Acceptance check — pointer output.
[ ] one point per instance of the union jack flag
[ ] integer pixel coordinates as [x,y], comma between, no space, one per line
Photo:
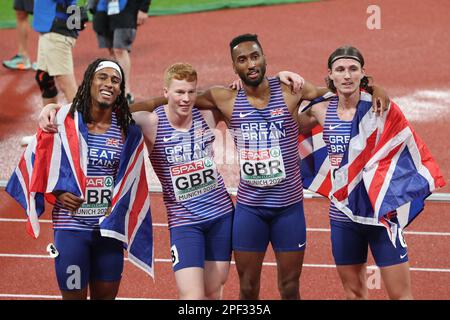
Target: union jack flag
[276,112]
[59,162]
[386,167]
[112,142]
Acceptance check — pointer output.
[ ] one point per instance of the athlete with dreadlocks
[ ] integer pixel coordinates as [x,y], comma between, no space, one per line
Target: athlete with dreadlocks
[84,256]
[179,141]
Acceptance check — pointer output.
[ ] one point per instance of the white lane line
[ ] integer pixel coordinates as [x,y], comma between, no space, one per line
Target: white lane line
[165,225]
[428,233]
[268,264]
[20,255]
[42,296]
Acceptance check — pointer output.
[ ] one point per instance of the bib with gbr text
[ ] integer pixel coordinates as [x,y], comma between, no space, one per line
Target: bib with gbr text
[193,179]
[97,197]
[263,167]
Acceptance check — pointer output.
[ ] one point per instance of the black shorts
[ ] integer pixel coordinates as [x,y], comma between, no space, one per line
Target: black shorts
[117,39]
[24,5]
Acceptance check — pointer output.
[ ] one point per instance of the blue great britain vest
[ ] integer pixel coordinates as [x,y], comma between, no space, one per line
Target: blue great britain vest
[266,142]
[193,189]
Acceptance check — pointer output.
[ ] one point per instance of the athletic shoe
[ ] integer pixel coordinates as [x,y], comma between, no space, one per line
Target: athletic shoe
[130,98]
[17,62]
[34,66]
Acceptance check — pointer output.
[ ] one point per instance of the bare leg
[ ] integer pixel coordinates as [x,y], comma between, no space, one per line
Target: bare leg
[249,265]
[190,283]
[68,86]
[74,294]
[397,280]
[111,54]
[123,58]
[289,266]
[22,32]
[216,274]
[104,290]
[354,279]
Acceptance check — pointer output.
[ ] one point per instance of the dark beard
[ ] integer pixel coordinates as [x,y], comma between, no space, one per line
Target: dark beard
[256,82]
[253,83]
[103,105]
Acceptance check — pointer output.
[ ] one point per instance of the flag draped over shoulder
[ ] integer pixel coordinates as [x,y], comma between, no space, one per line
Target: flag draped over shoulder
[59,162]
[386,167]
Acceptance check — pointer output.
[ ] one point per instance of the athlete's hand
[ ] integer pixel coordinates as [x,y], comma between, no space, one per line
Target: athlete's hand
[69,201]
[380,101]
[141,17]
[47,118]
[292,79]
[236,85]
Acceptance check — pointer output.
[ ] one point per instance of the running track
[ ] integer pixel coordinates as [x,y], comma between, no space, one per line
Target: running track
[404,57]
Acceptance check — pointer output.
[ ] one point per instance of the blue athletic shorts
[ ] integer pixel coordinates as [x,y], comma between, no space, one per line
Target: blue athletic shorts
[192,245]
[85,256]
[284,227]
[350,242]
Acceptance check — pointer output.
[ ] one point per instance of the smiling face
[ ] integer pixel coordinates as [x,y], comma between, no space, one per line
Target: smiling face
[249,63]
[105,87]
[346,75]
[181,95]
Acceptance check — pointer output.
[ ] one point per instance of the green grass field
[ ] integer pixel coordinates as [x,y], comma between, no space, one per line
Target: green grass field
[161,7]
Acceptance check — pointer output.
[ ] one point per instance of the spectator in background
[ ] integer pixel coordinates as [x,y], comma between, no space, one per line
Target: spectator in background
[115,23]
[54,60]
[21,61]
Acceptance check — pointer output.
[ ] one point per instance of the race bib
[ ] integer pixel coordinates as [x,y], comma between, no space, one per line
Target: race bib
[193,179]
[262,168]
[98,197]
[335,162]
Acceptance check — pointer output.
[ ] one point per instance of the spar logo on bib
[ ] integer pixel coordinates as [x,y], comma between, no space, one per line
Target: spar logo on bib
[336,159]
[97,197]
[262,168]
[192,179]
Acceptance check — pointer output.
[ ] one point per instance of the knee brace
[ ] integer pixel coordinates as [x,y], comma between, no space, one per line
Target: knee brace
[47,84]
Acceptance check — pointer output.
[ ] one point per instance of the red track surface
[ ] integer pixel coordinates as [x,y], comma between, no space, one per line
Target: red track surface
[406,55]
[26,275]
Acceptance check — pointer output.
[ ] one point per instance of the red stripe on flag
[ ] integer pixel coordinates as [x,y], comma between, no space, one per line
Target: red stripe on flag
[380,175]
[124,178]
[428,162]
[42,160]
[398,122]
[357,165]
[360,161]
[138,203]
[24,172]
[74,143]
[342,193]
[394,123]
[29,229]
[325,186]
[316,130]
